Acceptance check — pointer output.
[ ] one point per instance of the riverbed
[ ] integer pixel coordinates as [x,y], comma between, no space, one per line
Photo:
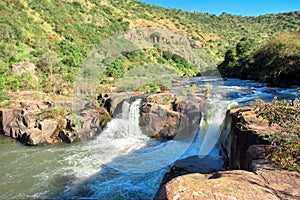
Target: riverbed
[121,163]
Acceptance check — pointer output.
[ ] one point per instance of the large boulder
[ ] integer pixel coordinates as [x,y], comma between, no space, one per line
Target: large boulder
[220,185]
[163,116]
[284,183]
[13,122]
[159,121]
[41,134]
[34,122]
[195,164]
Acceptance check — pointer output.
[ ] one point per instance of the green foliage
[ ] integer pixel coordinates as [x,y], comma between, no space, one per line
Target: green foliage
[147,78]
[286,143]
[55,113]
[4,70]
[58,35]
[150,88]
[276,62]
[280,59]
[24,81]
[116,69]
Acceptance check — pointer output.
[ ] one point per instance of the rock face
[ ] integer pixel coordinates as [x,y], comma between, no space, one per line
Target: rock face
[245,130]
[28,122]
[163,116]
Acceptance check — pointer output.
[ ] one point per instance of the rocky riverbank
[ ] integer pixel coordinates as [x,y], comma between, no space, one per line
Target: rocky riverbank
[38,122]
[248,150]
[34,121]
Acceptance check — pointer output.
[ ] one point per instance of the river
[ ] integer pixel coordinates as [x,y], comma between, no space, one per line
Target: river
[121,163]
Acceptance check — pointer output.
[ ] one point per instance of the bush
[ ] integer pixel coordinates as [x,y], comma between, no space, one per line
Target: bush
[286,143]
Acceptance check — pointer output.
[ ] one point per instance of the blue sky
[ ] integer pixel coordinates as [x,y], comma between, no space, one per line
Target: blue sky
[236,7]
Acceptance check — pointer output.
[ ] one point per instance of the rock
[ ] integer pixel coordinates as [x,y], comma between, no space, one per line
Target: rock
[196,45]
[13,122]
[246,138]
[33,136]
[113,101]
[67,137]
[257,152]
[25,122]
[47,128]
[87,118]
[158,121]
[199,164]
[24,67]
[195,164]
[21,67]
[246,130]
[284,183]
[160,118]
[220,185]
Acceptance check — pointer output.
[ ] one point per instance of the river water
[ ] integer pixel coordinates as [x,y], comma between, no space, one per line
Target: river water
[121,163]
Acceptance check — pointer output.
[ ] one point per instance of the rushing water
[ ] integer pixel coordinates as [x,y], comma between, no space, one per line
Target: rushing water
[121,163]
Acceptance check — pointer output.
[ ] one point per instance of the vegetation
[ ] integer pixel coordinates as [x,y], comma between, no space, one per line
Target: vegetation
[286,143]
[276,62]
[55,113]
[57,36]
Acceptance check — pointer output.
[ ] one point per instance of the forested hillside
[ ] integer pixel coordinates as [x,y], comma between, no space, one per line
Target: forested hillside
[276,61]
[57,35]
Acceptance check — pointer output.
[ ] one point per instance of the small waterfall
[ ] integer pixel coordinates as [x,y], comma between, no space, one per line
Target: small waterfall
[212,125]
[121,136]
[131,112]
[210,129]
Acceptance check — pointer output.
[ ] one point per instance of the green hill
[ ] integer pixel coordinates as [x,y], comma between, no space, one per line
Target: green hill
[276,61]
[57,35]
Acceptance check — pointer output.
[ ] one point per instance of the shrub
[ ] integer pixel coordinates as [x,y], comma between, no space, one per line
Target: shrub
[286,143]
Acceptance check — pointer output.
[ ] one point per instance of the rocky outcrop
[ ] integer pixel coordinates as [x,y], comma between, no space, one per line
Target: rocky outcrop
[246,138]
[246,130]
[235,185]
[164,116]
[37,122]
[34,122]
[285,184]
[265,182]
[24,67]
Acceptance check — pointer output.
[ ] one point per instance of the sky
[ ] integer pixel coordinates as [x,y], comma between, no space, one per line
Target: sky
[235,7]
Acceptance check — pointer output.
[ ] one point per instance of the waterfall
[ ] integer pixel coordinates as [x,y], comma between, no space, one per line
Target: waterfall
[121,136]
[210,129]
[131,112]
[212,125]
